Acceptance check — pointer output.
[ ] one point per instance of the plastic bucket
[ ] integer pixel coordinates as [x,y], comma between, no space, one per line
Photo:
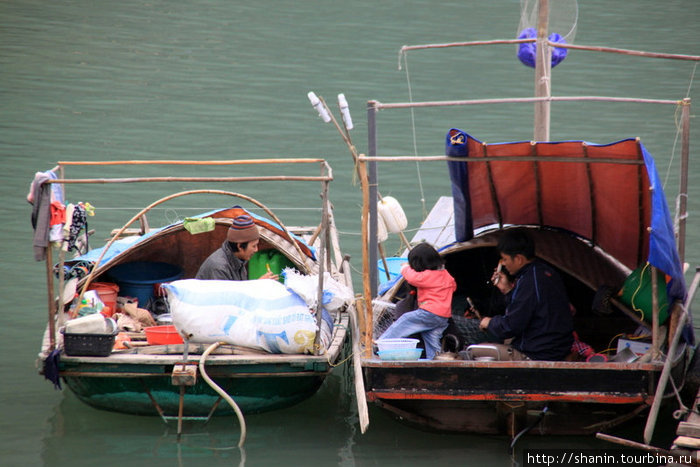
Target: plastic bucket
[137,279]
[159,335]
[107,292]
[394,265]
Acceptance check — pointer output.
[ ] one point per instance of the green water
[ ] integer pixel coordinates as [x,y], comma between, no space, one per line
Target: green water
[228,80]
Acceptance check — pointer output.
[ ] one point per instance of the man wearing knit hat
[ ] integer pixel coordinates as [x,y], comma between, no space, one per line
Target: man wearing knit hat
[230,262]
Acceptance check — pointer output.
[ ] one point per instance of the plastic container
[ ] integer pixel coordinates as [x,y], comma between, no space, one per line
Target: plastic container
[107,292]
[137,279]
[397,344]
[264,259]
[400,354]
[88,345]
[94,323]
[159,335]
[636,292]
[165,318]
[394,265]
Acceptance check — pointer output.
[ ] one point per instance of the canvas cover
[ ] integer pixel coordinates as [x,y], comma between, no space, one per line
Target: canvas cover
[611,203]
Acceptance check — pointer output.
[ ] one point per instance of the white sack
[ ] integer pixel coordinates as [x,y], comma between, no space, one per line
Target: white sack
[336,296]
[260,314]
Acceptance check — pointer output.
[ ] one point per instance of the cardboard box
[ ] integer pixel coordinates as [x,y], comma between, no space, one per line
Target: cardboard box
[638,347]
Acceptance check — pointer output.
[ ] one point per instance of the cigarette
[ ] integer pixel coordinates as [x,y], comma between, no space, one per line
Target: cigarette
[267,266]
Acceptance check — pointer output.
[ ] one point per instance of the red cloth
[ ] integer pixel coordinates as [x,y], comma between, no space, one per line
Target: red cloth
[58,213]
[435,289]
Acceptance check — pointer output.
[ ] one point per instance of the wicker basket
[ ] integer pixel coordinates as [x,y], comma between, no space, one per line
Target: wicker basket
[92,345]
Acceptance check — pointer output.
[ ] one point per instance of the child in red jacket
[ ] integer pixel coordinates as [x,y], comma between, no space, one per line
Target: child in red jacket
[426,271]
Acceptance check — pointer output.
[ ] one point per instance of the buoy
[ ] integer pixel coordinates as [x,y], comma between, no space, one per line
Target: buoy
[318,105]
[345,111]
[391,212]
[382,234]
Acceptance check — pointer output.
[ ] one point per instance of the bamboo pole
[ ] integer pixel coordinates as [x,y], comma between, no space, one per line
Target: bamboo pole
[323,256]
[561,45]
[663,379]
[543,75]
[406,48]
[683,185]
[632,444]
[655,352]
[366,286]
[360,394]
[264,178]
[521,100]
[580,160]
[638,53]
[50,295]
[195,162]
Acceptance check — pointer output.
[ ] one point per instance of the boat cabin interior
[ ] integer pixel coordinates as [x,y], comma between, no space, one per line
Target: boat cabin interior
[591,277]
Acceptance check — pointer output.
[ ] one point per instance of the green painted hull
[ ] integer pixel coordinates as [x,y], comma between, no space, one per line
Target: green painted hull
[145,387]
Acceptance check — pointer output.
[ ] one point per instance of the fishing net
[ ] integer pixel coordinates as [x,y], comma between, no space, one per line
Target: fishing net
[563,17]
[562,20]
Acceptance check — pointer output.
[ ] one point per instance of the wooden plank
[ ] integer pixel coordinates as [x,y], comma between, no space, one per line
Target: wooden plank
[687,442]
[688,429]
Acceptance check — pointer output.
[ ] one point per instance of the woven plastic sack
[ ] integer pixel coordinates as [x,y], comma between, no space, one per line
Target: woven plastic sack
[260,314]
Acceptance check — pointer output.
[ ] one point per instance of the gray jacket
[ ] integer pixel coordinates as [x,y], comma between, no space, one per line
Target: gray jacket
[223,265]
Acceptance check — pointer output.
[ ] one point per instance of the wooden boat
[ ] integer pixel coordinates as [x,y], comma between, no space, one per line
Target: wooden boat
[163,379]
[597,213]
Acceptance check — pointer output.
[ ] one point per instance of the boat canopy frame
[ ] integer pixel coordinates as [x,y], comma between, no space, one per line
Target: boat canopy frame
[56,300]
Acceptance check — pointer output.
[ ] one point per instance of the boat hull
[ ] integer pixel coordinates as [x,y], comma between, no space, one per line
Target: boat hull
[148,389]
[506,397]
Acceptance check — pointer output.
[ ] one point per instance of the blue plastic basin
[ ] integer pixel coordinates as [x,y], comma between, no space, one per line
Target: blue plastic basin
[138,278]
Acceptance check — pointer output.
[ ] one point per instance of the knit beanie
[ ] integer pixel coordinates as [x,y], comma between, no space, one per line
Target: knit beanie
[242,230]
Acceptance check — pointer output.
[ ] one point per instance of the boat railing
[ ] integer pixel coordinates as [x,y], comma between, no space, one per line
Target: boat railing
[323,231]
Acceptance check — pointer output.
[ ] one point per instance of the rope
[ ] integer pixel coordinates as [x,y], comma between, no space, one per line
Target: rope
[413,130]
[221,392]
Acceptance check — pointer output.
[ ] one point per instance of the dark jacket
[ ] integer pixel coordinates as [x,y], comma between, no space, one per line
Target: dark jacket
[538,316]
[223,265]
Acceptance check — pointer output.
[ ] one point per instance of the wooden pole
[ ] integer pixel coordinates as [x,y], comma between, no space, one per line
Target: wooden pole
[50,295]
[663,379]
[632,444]
[520,100]
[683,185]
[323,256]
[367,318]
[655,353]
[266,178]
[194,162]
[382,255]
[360,395]
[543,73]
[638,53]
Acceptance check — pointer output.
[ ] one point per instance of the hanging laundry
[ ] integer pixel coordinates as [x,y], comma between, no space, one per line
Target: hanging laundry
[58,218]
[78,223]
[40,198]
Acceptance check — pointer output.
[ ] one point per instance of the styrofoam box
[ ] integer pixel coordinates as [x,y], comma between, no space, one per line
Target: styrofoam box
[639,348]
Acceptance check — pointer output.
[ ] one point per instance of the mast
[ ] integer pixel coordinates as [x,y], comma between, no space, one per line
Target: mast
[543,73]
